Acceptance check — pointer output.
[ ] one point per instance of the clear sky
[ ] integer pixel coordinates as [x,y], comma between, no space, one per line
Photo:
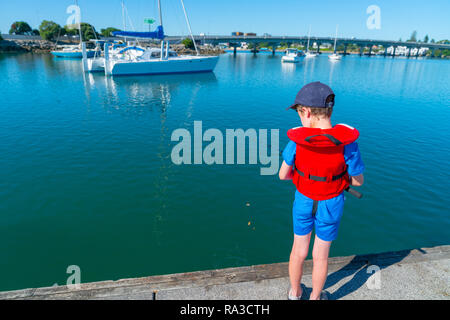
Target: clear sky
[398,18]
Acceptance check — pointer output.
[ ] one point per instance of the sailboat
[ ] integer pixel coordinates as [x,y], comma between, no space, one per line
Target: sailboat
[73,51]
[335,56]
[309,54]
[137,60]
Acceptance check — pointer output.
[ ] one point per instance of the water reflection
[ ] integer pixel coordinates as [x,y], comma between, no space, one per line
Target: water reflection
[139,93]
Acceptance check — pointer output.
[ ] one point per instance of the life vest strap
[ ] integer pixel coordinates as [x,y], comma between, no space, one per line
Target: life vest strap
[329,136]
[322,179]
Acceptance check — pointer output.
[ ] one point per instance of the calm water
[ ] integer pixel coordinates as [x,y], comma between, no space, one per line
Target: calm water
[87,180]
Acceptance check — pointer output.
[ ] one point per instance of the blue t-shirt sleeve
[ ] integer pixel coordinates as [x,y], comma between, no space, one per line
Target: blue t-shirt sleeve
[353,159]
[289,153]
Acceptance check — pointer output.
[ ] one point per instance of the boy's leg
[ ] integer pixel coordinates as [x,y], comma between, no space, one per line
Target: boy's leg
[320,266]
[298,255]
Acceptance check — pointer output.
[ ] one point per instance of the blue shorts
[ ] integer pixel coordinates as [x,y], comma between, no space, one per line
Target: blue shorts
[326,220]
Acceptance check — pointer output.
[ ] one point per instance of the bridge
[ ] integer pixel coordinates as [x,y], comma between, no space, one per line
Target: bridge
[274,41]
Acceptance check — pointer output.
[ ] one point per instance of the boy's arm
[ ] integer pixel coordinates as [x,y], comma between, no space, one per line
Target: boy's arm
[355,164]
[285,172]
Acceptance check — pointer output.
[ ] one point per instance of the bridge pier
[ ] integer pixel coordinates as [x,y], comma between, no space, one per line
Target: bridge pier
[345,49]
[409,53]
[255,48]
[370,50]
[417,53]
[385,52]
[318,47]
[393,52]
[361,48]
[274,48]
[234,50]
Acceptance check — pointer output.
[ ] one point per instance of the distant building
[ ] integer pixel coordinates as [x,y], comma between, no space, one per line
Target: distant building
[237,33]
[250,34]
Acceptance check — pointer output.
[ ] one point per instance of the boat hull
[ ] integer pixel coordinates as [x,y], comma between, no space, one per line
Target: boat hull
[291,59]
[73,55]
[184,65]
[334,57]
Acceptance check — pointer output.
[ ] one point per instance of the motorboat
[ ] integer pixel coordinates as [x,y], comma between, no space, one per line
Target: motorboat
[292,55]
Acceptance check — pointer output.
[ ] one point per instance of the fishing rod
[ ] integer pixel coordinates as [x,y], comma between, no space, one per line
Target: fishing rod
[354,193]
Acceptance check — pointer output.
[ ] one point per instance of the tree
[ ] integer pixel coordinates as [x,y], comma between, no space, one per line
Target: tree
[20,27]
[35,32]
[426,39]
[88,32]
[70,31]
[432,41]
[108,31]
[413,37]
[188,43]
[1,36]
[49,30]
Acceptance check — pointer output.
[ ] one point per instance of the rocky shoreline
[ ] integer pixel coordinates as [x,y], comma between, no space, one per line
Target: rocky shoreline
[44,46]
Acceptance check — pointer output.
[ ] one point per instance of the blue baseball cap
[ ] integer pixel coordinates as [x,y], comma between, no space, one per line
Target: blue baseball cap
[315,95]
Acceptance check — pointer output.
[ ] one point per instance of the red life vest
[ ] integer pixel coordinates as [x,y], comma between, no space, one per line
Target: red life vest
[320,172]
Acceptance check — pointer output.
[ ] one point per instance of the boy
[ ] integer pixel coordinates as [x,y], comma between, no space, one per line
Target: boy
[322,161]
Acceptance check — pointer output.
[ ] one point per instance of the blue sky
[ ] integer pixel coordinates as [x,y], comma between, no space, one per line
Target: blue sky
[277,17]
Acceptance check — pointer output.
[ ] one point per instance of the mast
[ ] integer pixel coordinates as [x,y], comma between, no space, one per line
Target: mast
[79,23]
[124,20]
[309,35]
[189,26]
[335,39]
[160,13]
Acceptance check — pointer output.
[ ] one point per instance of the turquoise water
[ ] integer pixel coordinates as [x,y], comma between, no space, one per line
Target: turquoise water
[87,178]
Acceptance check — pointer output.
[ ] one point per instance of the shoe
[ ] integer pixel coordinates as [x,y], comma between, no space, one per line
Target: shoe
[292,297]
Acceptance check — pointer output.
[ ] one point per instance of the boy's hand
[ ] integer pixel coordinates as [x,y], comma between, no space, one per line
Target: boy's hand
[357,181]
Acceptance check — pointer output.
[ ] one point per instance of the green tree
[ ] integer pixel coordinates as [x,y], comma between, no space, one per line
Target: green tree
[188,43]
[49,30]
[35,32]
[108,31]
[413,37]
[1,38]
[426,39]
[20,27]
[432,41]
[88,32]
[70,31]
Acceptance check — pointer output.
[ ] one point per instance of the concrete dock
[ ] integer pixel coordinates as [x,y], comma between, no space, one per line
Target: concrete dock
[409,274]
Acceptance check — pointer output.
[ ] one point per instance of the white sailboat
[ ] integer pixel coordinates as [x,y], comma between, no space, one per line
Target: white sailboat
[308,53]
[335,56]
[138,61]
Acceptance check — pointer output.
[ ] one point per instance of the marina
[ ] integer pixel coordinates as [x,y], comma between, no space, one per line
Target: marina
[145,147]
